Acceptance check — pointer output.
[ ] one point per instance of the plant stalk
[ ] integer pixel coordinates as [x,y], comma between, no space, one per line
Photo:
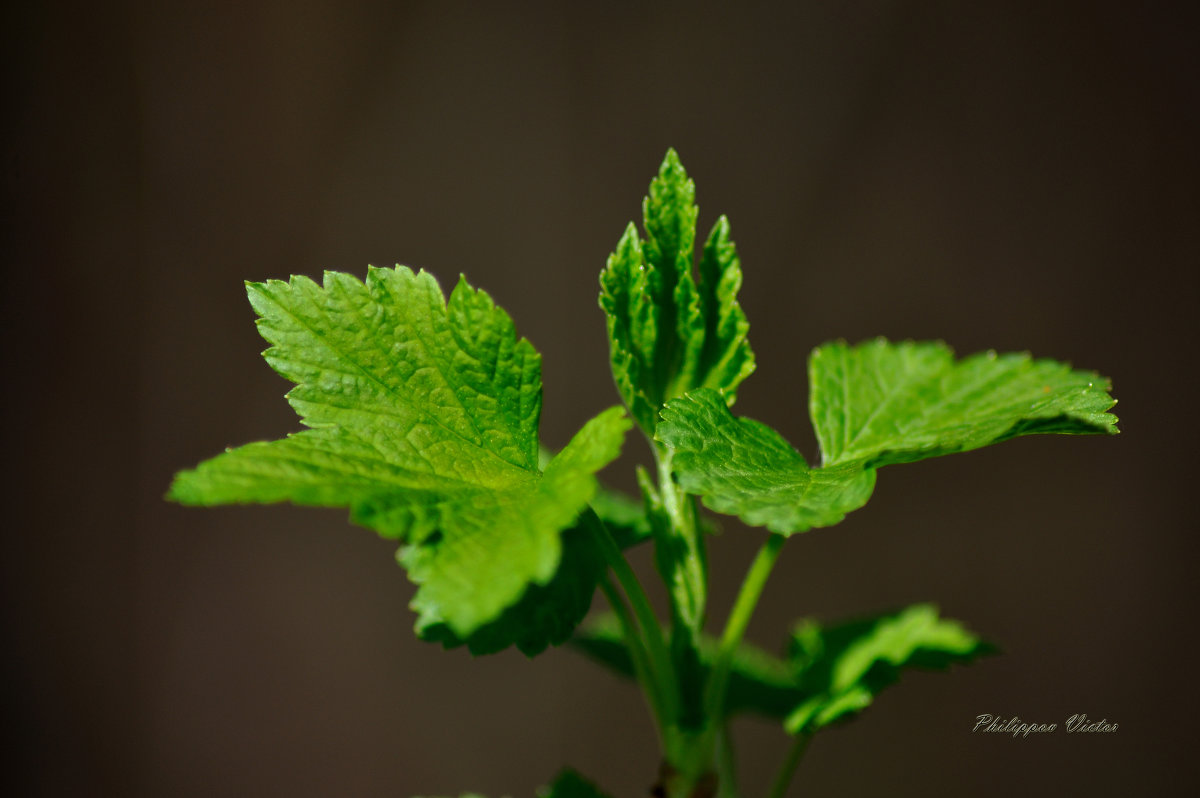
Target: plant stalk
[661,673]
[637,653]
[726,764]
[794,755]
[739,618]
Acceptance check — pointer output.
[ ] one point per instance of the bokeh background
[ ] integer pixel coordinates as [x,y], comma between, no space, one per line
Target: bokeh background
[1016,176]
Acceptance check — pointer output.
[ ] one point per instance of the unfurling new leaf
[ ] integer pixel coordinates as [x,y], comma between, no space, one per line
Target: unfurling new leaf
[667,332]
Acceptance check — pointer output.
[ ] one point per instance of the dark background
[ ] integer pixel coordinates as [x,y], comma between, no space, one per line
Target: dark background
[1016,176]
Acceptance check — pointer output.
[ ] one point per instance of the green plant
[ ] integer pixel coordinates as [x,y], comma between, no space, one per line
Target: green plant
[422,418]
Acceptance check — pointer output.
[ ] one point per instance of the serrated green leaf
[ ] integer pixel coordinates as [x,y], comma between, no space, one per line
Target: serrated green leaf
[759,683]
[669,333]
[484,563]
[624,516]
[727,358]
[741,467]
[424,416]
[570,784]
[669,216]
[841,669]
[874,404]
[879,403]
[632,320]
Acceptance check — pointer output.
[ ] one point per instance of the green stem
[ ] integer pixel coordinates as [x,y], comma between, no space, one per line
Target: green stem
[637,652]
[726,764]
[673,498]
[795,754]
[739,618]
[656,648]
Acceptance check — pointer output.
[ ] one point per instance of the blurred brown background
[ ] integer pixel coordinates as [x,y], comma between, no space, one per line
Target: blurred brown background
[1017,176]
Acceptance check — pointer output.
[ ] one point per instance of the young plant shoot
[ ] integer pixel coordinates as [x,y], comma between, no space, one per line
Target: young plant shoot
[421,417]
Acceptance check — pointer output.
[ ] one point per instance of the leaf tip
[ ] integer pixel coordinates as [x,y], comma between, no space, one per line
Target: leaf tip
[182,491]
[670,160]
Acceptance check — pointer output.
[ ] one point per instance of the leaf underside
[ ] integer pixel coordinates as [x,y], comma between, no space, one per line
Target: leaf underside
[842,668]
[873,404]
[423,417]
[547,614]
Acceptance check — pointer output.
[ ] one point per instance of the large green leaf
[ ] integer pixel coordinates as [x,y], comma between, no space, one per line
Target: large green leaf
[667,332]
[878,402]
[741,467]
[842,668]
[873,404]
[424,419]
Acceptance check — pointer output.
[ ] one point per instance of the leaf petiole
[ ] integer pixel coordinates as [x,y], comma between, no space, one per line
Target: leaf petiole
[788,769]
[659,660]
[637,653]
[739,618]
[726,764]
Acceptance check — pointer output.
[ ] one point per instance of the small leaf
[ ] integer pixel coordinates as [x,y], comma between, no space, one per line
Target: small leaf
[878,403]
[741,467]
[727,358]
[632,320]
[424,418]
[841,669]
